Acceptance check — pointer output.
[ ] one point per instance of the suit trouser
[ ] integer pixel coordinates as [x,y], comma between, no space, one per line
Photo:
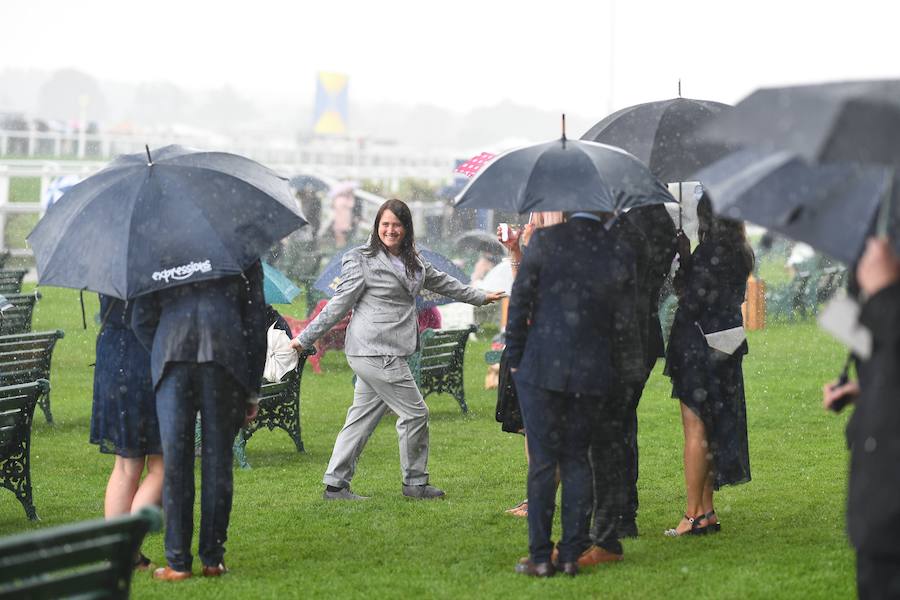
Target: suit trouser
[184,389]
[609,464]
[877,577]
[559,434]
[382,383]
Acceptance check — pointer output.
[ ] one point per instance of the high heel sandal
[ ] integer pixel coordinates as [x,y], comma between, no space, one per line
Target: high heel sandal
[713,527]
[696,528]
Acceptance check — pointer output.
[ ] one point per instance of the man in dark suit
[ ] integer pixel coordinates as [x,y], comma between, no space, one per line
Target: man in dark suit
[650,233]
[571,336]
[207,344]
[873,433]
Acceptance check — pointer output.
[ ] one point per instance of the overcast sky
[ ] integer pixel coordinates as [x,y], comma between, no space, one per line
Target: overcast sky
[460,54]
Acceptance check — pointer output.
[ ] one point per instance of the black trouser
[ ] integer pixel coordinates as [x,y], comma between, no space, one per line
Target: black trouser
[878,577]
[608,461]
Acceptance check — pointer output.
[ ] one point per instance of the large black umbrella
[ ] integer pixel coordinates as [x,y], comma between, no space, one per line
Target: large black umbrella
[833,122]
[480,241]
[662,135]
[143,224]
[563,175]
[832,207]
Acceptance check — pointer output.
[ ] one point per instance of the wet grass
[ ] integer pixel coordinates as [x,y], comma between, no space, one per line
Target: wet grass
[783,533]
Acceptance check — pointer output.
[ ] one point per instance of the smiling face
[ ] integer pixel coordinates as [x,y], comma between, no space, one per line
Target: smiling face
[391,232]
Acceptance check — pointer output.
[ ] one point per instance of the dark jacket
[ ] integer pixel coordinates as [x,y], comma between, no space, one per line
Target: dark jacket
[656,224]
[572,325]
[873,506]
[220,320]
[629,234]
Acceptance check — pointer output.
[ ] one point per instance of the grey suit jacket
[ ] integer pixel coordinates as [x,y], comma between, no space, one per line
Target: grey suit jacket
[384,321]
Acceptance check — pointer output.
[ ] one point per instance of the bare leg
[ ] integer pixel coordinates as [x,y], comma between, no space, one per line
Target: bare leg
[696,466]
[708,506]
[122,486]
[149,492]
[521,509]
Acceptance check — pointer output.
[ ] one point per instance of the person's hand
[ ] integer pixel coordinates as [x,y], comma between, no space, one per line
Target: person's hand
[878,268]
[250,413]
[683,246]
[512,241]
[494,296]
[841,394]
[295,344]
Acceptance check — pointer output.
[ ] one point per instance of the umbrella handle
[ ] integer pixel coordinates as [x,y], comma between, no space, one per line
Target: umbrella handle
[838,405]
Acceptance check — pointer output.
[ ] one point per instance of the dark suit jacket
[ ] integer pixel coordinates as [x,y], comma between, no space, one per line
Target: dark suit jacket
[221,321]
[576,286]
[873,507]
[629,234]
[656,224]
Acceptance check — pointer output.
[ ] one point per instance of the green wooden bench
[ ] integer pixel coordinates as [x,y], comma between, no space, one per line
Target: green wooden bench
[17,403]
[11,281]
[279,406]
[92,559]
[439,366]
[26,357]
[17,318]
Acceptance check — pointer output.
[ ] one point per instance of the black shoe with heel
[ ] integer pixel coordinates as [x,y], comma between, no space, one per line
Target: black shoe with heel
[713,527]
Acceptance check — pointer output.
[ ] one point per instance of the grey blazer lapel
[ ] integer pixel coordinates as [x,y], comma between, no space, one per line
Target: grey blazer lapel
[404,281]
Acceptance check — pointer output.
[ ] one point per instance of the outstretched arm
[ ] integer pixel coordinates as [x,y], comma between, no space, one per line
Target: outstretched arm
[348,292]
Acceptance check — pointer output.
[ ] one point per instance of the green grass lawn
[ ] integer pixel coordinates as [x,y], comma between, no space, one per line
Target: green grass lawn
[783,533]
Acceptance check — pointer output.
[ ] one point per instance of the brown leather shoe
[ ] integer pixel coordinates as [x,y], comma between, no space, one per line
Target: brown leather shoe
[533,569]
[215,571]
[569,568]
[595,555]
[167,573]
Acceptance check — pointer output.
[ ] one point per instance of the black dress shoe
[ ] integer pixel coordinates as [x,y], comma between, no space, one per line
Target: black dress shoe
[569,568]
[533,569]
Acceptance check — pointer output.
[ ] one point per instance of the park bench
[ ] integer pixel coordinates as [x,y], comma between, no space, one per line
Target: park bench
[11,281]
[17,318]
[91,559]
[17,403]
[279,406]
[26,357]
[439,366]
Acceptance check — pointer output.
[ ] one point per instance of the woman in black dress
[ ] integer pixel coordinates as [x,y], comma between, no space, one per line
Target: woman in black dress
[711,284]
[123,416]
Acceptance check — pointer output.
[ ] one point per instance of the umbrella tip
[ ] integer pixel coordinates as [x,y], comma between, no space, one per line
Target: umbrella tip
[564,127]
[679,87]
[149,160]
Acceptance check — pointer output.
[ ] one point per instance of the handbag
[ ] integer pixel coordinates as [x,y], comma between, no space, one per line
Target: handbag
[726,340]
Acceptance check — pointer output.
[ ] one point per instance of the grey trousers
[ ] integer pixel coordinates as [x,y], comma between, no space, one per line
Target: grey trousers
[382,383]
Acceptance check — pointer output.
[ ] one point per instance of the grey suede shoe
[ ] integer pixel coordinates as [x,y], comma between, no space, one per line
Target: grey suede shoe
[422,492]
[343,494]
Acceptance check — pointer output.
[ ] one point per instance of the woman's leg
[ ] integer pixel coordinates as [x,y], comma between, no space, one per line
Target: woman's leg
[122,486]
[149,492]
[709,508]
[696,465]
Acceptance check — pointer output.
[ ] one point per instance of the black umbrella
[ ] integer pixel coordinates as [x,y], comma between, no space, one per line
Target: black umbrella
[480,241]
[833,122]
[832,207]
[662,135]
[309,183]
[563,175]
[143,224]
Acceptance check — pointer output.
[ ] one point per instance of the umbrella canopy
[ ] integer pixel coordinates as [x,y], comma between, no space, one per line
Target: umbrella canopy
[330,278]
[831,207]
[309,183]
[479,240]
[143,224]
[848,121]
[662,135]
[564,175]
[278,289]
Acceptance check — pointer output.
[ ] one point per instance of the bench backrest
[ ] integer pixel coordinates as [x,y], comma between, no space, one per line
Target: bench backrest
[17,404]
[92,559]
[17,319]
[11,280]
[27,357]
[442,350]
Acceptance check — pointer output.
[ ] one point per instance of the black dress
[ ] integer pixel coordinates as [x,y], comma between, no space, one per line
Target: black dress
[710,382]
[123,417]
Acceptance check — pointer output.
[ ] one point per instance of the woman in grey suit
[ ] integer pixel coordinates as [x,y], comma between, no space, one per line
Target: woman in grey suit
[380,282]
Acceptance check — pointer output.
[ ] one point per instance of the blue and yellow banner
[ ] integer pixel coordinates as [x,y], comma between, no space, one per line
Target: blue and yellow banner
[331,103]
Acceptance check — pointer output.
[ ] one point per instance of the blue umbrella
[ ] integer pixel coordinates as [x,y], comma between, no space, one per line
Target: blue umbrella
[331,277]
[277,288]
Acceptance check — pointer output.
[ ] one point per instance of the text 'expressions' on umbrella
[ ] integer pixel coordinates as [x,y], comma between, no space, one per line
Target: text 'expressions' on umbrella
[330,278]
[152,221]
[832,207]
[662,135]
[564,175]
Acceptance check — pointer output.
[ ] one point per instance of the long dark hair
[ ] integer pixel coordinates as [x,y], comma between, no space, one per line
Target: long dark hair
[408,253]
[725,231]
